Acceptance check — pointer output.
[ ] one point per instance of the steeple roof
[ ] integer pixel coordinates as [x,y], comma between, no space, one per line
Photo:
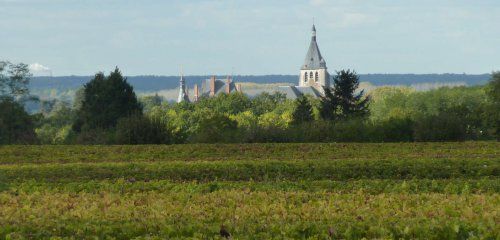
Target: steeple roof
[313,60]
[183,95]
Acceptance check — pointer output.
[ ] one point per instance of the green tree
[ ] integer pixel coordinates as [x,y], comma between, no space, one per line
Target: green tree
[16,125]
[328,105]
[216,128]
[55,127]
[342,101]
[106,99]
[232,103]
[265,102]
[494,108]
[14,80]
[303,111]
[149,102]
[138,129]
[447,125]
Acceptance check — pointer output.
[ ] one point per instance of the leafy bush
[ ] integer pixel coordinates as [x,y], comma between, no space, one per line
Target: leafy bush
[138,129]
[445,126]
[215,128]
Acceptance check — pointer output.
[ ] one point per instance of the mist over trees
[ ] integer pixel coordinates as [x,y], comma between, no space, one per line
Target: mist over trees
[154,83]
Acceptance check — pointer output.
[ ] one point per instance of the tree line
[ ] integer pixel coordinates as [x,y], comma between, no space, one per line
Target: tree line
[107,111]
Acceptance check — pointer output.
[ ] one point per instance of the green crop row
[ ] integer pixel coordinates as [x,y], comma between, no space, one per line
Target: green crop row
[370,186]
[256,170]
[248,215]
[271,151]
[257,191]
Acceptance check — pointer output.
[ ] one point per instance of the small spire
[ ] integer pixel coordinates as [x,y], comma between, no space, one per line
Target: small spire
[314,32]
[314,28]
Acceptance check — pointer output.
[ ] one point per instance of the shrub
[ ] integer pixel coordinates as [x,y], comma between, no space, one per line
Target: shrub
[138,129]
[440,127]
[215,128]
[395,130]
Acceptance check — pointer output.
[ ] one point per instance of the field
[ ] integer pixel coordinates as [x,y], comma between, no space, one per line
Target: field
[256,191]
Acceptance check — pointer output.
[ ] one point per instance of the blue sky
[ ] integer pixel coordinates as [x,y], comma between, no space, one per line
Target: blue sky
[81,37]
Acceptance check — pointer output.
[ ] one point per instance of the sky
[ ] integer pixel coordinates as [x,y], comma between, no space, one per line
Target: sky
[249,37]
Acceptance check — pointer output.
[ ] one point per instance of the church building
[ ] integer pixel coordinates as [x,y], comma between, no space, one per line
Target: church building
[313,78]
[314,74]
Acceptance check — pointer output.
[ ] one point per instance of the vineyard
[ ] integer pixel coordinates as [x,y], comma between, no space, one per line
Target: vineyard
[251,191]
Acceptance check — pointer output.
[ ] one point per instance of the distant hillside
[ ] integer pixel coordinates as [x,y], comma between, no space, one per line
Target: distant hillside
[156,83]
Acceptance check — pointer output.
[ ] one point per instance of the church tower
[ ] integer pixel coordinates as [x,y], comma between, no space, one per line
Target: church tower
[314,72]
[183,95]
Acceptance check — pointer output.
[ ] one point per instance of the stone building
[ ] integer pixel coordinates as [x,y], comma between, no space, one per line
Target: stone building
[209,88]
[313,73]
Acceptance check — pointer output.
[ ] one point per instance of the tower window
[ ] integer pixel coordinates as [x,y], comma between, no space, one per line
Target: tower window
[305,77]
[316,77]
[311,75]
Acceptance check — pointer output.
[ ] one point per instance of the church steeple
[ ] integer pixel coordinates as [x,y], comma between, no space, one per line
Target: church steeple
[313,60]
[183,95]
[313,72]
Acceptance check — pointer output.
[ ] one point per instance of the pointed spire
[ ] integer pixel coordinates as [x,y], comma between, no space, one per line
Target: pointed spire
[183,95]
[314,31]
[313,59]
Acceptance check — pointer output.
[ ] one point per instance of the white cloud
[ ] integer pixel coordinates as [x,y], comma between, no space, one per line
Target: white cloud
[39,70]
[38,67]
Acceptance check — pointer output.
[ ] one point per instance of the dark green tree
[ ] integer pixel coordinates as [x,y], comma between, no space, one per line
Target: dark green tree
[16,125]
[446,125]
[139,129]
[303,111]
[105,100]
[494,108]
[342,101]
[328,105]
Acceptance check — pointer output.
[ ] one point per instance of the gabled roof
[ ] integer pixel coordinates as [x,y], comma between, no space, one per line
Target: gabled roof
[293,92]
[220,87]
[313,59]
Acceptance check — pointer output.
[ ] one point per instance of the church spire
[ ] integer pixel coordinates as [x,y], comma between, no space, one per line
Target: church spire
[183,96]
[313,59]
[314,33]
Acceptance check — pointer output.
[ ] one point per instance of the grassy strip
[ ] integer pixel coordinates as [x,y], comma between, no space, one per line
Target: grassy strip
[256,170]
[271,151]
[249,215]
[374,186]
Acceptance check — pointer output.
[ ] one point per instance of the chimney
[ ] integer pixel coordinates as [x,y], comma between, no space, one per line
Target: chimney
[196,93]
[212,86]
[238,87]
[228,85]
